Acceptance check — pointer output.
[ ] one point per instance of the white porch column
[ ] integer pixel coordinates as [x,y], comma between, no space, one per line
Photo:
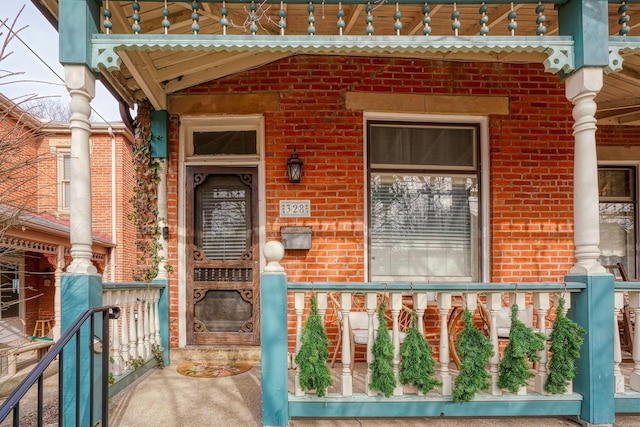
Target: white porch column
[57,297]
[162,219]
[581,89]
[81,86]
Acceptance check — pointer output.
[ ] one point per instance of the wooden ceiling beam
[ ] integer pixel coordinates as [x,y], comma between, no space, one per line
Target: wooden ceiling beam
[143,72]
[244,63]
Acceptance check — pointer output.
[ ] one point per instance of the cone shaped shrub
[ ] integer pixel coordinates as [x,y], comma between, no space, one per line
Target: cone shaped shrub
[417,366]
[474,349]
[314,354]
[382,377]
[524,344]
[566,341]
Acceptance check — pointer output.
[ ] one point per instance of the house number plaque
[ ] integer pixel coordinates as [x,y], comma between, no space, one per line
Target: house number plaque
[295,208]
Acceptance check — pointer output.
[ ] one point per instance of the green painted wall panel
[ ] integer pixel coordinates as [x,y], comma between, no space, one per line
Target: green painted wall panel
[587,22]
[159,134]
[273,336]
[79,293]
[79,20]
[593,310]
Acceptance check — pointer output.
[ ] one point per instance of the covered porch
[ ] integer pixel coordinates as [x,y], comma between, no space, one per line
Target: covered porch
[191,75]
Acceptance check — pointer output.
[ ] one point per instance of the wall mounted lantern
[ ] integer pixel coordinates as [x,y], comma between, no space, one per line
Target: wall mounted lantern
[294,166]
[46,281]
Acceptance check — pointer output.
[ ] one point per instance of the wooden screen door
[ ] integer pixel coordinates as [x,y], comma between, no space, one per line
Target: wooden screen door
[222,256]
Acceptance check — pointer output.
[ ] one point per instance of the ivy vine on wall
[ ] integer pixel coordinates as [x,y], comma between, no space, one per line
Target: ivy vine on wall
[145,206]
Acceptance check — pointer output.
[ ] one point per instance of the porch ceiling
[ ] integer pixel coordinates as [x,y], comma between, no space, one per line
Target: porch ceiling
[155,71]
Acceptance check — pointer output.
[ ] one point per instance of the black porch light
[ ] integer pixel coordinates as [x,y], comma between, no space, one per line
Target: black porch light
[294,167]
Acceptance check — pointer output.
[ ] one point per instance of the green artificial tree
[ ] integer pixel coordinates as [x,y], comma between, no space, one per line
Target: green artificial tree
[314,354]
[566,340]
[524,344]
[382,377]
[474,349]
[418,365]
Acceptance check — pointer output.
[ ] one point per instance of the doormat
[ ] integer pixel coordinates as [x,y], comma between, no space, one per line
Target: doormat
[212,369]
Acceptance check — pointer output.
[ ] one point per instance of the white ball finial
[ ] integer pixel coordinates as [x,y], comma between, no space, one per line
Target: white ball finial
[273,252]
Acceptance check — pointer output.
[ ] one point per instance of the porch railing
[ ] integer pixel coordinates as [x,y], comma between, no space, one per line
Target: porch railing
[592,397]
[626,311]
[71,396]
[140,336]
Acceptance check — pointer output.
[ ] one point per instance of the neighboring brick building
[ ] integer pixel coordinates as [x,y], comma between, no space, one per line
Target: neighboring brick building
[35,249]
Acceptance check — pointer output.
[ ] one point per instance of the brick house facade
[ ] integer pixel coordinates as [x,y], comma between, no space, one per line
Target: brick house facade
[319,106]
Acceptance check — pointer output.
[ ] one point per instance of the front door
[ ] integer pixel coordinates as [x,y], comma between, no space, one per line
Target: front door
[222,256]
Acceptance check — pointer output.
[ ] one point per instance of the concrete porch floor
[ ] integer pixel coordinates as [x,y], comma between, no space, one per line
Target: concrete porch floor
[165,397]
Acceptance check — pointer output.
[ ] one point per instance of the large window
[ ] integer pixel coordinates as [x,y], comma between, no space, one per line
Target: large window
[618,216]
[423,202]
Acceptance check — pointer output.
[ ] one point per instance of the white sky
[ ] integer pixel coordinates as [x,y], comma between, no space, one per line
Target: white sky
[37,79]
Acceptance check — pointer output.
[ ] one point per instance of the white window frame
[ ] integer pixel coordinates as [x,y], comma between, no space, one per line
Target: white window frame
[483,180]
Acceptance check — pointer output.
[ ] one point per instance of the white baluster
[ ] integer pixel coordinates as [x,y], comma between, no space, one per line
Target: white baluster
[322,304]
[116,367]
[634,304]
[152,320]
[396,306]
[618,378]
[420,305]
[124,334]
[133,352]
[371,302]
[444,304]
[146,344]
[541,305]
[347,379]
[140,326]
[156,299]
[494,303]
[299,310]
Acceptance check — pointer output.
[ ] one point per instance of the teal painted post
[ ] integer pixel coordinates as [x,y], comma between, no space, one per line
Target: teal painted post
[593,310]
[159,134]
[273,331]
[78,21]
[163,316]
[587,21]
[80,292]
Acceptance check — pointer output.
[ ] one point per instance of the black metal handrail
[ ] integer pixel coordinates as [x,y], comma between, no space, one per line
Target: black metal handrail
[37,374]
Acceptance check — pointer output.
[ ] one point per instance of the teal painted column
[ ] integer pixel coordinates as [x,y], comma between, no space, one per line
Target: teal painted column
[78,21]
[79,293]
[273,331]
[163,316]
[593,310]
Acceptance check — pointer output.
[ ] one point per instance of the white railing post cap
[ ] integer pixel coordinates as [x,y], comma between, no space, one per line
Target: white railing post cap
[273,252]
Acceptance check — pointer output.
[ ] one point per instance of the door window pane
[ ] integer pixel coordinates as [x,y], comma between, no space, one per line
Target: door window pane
[618,204]
[223,228]
[225,142]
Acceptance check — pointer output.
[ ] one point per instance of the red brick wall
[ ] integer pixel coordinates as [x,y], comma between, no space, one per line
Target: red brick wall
[531,159]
